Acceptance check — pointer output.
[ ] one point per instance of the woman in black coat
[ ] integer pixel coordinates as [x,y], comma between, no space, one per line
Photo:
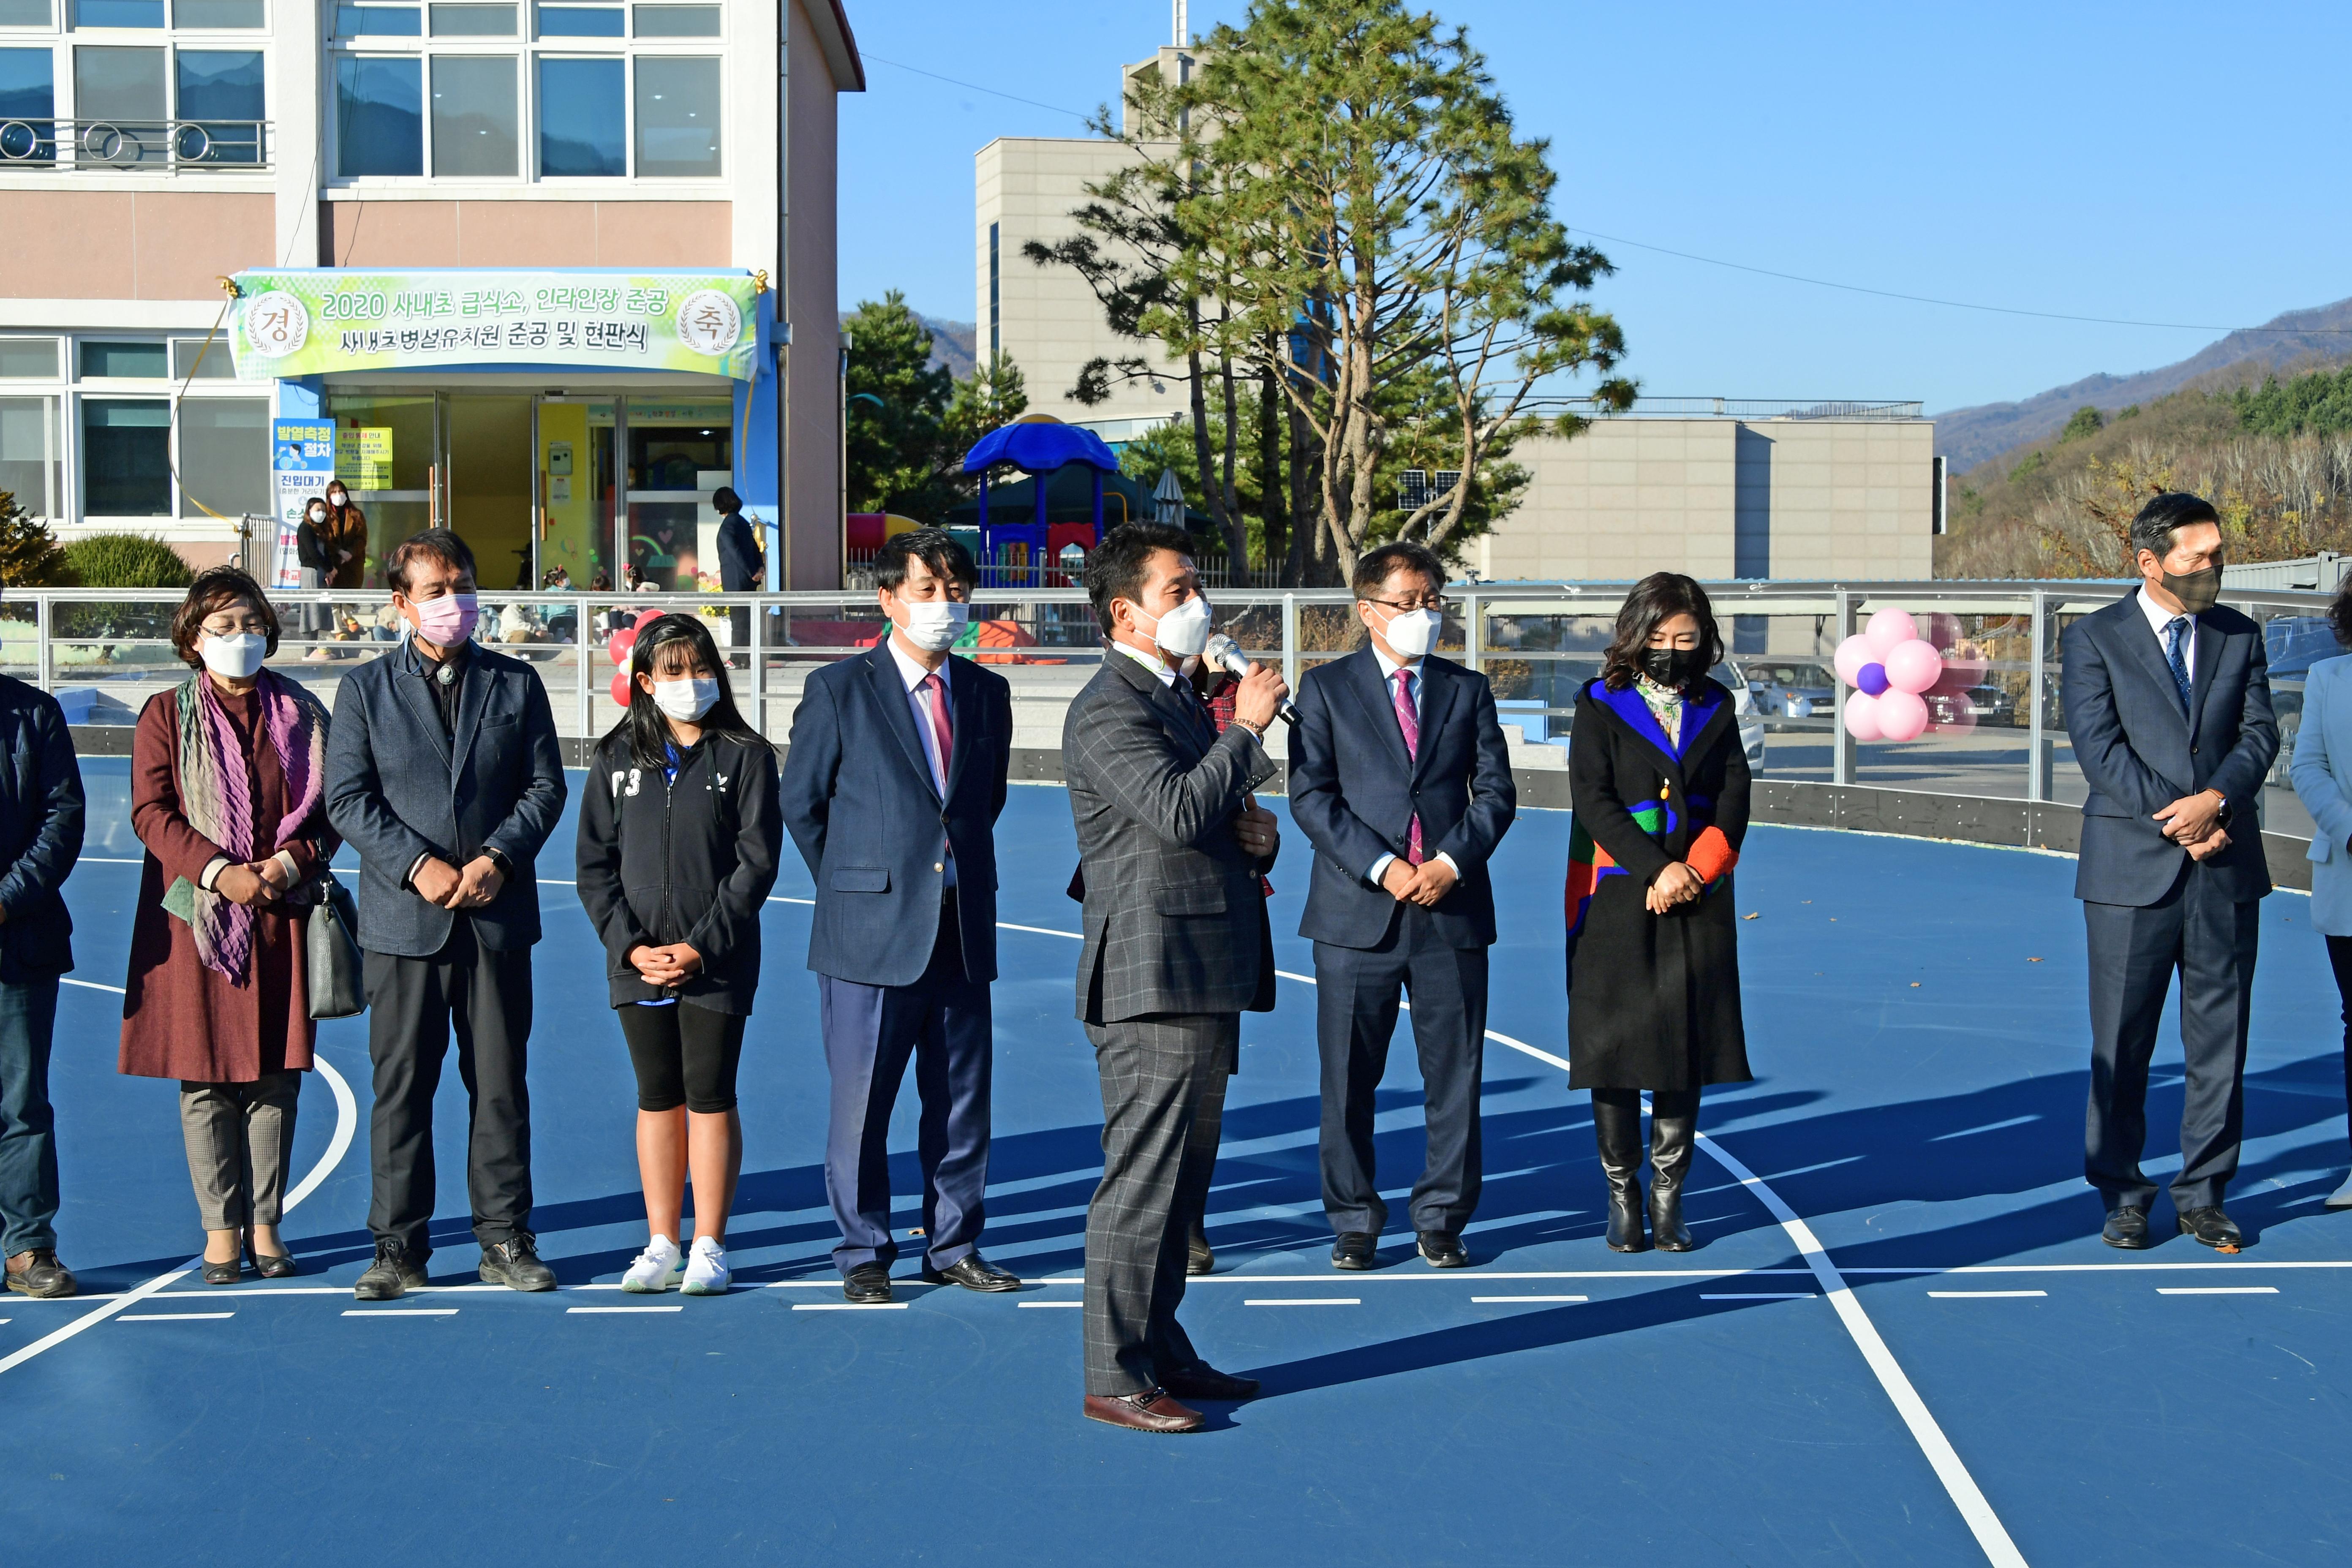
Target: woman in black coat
[1659,786]
[680,831]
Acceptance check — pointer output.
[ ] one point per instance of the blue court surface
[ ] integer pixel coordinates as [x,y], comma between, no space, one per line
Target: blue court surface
[1900,1341]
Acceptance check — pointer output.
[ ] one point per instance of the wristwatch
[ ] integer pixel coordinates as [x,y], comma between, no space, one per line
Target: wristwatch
[2221,816]
[499,858]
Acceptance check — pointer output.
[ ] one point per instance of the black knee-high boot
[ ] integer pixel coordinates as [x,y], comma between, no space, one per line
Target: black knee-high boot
[1617,1129]
[1674,1133]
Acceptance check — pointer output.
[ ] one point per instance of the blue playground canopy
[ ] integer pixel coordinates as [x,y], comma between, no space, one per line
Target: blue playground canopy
[1037,444]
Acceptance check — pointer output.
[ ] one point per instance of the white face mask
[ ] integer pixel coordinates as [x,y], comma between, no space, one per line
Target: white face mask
[1410,634]
[934,624]
[685,701]
[1184,630]
[235,657]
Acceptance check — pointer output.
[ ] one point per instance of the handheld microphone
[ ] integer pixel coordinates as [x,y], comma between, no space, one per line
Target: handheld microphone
[1227,655]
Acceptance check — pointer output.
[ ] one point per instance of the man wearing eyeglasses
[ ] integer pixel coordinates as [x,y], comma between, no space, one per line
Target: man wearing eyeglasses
[1399,775]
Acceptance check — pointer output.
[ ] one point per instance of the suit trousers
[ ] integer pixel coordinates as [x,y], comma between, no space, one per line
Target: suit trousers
[1355,995]
[1163,1088]
[943,1022]
[240,1139]
[483,996]
[2210,940]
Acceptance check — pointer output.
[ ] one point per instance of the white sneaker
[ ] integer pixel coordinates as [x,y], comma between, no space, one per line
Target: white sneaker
[656,1269]
[706,1273]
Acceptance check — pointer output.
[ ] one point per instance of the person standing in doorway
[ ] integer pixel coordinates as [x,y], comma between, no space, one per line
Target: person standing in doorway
[896,773]
[2168,707]
[444,773]
[1400,779]
[742,565]
[41,815]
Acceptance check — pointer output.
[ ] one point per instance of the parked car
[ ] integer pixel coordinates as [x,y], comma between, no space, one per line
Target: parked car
[1743,706]
[1984,704]
[2291,644]
[1788,689]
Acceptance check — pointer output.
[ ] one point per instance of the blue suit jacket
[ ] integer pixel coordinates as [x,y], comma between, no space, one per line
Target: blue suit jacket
[859,801]
[397,788]
[2140,752]
[1354,792]
[742,565]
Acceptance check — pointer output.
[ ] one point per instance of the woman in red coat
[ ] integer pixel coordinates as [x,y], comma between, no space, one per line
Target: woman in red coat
[227,793]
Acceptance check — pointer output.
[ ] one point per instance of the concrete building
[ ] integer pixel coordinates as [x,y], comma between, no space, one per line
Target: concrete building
[549,274]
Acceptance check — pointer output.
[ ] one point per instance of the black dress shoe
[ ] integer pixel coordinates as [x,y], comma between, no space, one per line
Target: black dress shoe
[223,1273]
[36,1272]
[274,1264]
[972,1271]
[2127,1228]
[1353,1249]
[2214,1228]
[1202,1380]
[1198,1258]
[394,1273]
[1443,1249]
[866,1285]
[514,1263]
[1153,1410]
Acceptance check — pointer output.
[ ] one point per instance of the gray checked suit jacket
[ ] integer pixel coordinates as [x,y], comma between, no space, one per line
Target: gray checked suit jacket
[1175,913]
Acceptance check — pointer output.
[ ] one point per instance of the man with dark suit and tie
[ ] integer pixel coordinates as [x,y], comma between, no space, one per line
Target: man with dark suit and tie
[443,772]
[1401,778]
[1171,849]
[892,787]
[2167,704]
[742,565]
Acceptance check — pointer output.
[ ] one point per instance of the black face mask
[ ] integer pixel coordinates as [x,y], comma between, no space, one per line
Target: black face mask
[2197,591]
[1673,667]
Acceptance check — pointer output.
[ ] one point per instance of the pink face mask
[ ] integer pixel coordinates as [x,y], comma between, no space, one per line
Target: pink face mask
[449,620]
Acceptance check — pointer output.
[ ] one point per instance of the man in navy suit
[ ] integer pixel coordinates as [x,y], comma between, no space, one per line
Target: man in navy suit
[1400,776]
[892,787]
[2167,704]
[742,565]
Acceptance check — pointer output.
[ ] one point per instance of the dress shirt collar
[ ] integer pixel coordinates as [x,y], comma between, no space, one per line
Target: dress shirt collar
[2159,617]
[1389,667]
[912,673]
[1150,661]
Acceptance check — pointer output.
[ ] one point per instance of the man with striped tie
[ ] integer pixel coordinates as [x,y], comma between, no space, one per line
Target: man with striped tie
[1400,776]
[2167,704]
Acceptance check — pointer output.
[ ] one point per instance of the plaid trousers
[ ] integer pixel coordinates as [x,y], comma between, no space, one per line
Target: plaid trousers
[1163,1088]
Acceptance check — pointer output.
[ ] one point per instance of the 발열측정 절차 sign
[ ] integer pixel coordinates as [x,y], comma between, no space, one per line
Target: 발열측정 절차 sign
[311,322]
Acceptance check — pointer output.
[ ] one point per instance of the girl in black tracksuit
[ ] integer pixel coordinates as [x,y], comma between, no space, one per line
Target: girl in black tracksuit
[680,831]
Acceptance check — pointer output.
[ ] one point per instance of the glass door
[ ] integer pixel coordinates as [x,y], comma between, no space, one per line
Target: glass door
[577,496]
[680,451]
[490,489]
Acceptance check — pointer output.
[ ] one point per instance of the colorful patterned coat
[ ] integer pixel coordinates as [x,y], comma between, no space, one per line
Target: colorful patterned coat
[1654,1000]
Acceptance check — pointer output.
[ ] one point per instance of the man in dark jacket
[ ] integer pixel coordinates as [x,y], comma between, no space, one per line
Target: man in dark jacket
[896,776]
[40,833]
[2168,707]
[1401,778]
[742,565]
[1172,852]
[443,772]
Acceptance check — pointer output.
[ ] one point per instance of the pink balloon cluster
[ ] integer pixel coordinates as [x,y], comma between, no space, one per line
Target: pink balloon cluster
[1891,667]
[619,646]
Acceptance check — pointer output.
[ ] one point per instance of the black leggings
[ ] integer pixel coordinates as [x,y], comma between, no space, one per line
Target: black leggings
[684,1056]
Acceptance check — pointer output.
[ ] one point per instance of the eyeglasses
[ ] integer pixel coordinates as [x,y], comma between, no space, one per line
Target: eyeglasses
[1437,601]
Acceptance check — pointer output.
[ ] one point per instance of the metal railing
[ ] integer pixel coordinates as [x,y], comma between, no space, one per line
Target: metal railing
[1999,730]
[1740,408]
[147,144]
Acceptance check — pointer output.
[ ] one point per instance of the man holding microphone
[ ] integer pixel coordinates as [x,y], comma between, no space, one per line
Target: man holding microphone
[1171,848]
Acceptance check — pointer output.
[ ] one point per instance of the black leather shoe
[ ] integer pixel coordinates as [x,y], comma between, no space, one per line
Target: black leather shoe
[2127,1228]
[1443,1249]
[1353,1249]
[1202,1380]
[394,1272]
[38,1274]
[972,1271]
[224,1273]
[867,1284]
[1198,1258]
[274,1264]
[514,1263]
[2212,1228]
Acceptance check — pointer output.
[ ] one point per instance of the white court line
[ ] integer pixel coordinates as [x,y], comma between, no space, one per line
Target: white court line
[1765,1296]
[1497,1301]
[2233,1265]
[1984,1295]
[850,1306]
[1304,1301]
[346,1120]
[2217,1290]
[400,1311]
[1456,1276]
[171,1317]
[1987,1126]
[575,1309]
[1074,1306]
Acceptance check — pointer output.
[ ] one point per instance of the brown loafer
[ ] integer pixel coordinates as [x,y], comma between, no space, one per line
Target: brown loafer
[1153,1410]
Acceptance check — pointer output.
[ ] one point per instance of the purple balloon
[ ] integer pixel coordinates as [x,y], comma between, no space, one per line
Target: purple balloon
[1872,678]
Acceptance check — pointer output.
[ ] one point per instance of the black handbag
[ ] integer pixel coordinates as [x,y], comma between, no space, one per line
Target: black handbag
[332,953]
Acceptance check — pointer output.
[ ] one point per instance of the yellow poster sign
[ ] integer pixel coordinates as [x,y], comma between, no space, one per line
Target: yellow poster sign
[363,457]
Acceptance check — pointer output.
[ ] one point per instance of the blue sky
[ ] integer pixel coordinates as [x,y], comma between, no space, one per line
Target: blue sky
[2154,162]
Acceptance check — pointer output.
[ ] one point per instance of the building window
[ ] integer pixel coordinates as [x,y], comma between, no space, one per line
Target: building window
[474,114]
[581,112]
[473,21]
[376,22]
[221,90]
[118,14]
[676,22]
[24,13]
[194,358]
[219,16]
[126,467]
[103,360]
[379,116]
[28,97]
[581,22]
[28,359]
[125,88]
[678,117]
[225,456]
[28,452]
[995,338]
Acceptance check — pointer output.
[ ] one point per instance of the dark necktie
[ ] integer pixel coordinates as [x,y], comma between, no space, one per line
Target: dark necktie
[1409,720]
[2175,654]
